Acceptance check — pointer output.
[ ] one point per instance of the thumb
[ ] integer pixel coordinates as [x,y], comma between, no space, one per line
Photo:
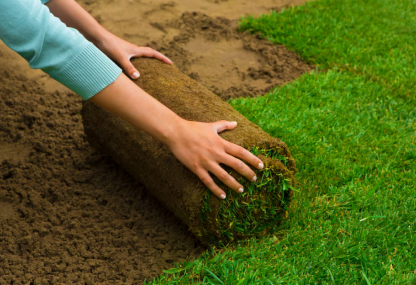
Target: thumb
[130,70]
[224,125]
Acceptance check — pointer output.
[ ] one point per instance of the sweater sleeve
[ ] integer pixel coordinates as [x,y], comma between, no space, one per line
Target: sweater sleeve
[28,27]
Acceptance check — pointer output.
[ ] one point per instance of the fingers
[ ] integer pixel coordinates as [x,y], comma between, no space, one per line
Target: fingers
[240,167]
[146,52]
[149,52]
[245,155]
[129,69]
[224,125]
[209,182]
[237,151]
[226,178]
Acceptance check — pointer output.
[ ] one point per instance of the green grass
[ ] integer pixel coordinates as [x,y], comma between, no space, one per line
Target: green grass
[355,149]
[254,213]
[352,132]
[374,38]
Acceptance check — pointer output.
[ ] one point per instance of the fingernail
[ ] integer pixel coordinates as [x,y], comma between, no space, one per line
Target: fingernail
[241,190]
[261,165]
[135,75]
[254,178]
[170,61]
[222,196]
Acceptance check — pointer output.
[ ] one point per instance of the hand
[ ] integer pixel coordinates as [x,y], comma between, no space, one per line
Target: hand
[122,51]
[199,147]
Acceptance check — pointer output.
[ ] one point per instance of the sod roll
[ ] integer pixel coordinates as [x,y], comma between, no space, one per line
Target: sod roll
[258,210]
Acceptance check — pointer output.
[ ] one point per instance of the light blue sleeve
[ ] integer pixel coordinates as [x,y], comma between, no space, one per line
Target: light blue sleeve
[28,27]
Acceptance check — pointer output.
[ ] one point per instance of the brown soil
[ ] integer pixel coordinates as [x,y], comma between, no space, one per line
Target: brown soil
[68,214]
[231,64]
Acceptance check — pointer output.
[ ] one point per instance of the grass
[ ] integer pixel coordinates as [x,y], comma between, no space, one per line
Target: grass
[254,213]
[374,38]
[352,132]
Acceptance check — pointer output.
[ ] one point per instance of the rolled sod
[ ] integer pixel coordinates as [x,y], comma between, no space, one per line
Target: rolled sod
[255,212]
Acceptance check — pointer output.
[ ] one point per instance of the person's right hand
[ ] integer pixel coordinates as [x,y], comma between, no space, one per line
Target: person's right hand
[199,147]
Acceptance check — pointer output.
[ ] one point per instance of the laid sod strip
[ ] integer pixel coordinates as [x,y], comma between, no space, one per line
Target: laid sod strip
[354,222]
[375,38]
[216,222]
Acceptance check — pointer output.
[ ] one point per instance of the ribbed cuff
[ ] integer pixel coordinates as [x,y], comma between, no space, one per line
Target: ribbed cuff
[88,72]
[44,1]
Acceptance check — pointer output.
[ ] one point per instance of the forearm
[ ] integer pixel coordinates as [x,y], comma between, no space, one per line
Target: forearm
[128,101]
[197,145]
[28,28]
[74,16]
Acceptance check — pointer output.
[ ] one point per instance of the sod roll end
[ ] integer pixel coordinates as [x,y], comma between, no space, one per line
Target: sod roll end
[255,212]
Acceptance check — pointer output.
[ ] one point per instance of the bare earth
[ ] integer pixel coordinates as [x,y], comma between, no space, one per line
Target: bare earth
[67,213]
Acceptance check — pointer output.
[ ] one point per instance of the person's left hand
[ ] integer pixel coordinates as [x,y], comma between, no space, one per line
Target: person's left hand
[122,51]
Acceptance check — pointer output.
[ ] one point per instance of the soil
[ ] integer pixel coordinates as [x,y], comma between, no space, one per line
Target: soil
[230,63]
[69,214]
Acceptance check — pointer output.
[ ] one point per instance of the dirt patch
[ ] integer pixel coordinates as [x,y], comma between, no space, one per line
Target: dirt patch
[67,213]
[230,63]
[139,20]
[13,152]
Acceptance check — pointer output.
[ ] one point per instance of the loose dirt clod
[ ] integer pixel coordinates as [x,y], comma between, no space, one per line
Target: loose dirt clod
[214,221]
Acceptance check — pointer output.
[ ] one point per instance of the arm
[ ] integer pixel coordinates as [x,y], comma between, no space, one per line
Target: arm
[119,50]
[28,28]
[197,145]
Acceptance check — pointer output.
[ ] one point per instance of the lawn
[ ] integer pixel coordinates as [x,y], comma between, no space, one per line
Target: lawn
[351,127]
